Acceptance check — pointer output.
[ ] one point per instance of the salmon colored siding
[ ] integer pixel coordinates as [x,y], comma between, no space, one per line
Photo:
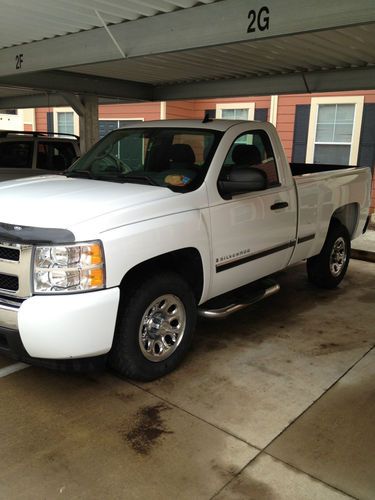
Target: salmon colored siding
[194,110]
[145,110]
[179,110]
[41,119]
[28,127]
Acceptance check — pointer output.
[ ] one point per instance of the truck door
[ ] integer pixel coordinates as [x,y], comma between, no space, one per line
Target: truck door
[253,233]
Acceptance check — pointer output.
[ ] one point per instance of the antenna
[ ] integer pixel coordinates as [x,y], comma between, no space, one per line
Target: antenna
[207,118]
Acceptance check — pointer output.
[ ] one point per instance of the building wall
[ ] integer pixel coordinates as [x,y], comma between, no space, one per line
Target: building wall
[287,110]
[204,104]
[145,110]
[10,122]
[179,110]
[195,110]
[41,118]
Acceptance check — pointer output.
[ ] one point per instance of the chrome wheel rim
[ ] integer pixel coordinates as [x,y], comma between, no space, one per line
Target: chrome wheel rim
[338,257]
[162,328]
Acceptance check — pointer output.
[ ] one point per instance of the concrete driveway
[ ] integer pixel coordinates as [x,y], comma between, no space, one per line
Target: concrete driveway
[276,402]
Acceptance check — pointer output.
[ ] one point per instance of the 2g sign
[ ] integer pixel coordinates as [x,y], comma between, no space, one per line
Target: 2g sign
[259,20]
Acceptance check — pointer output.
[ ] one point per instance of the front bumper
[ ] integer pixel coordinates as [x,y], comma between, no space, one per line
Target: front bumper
[59,327]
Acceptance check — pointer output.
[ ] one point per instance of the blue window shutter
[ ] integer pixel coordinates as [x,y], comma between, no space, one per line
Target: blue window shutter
[50,121]
[301,130]
[261,114]
[366,153]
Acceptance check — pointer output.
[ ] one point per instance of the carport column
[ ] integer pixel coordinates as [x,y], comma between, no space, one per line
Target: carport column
[88,122]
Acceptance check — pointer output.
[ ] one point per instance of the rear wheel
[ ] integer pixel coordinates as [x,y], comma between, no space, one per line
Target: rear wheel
[327,269]
[155,328]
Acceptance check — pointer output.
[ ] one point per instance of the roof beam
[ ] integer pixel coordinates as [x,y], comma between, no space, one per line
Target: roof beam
[45,100]
[227,21]
[32,101]
[294,83]
[64,81]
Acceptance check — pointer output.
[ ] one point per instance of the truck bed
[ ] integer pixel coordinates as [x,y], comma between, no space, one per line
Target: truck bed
[325,189]
[313,168]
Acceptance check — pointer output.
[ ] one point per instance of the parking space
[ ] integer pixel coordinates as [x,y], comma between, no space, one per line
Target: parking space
[274,402]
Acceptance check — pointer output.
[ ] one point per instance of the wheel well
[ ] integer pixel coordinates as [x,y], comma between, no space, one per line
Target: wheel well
[186,262]
[347,216]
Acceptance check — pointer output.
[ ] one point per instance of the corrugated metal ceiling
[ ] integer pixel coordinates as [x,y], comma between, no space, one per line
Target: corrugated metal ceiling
[324,50]
[174,50]
[25,22]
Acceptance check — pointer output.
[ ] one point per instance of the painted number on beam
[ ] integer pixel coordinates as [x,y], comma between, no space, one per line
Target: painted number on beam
[259,20]
[19,61]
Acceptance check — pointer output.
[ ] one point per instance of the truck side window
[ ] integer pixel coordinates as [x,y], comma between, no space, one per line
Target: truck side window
[55,156]
[253,149]
[15,154]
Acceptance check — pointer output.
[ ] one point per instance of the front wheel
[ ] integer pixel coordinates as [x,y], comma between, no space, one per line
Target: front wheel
[155,328]
[327,269]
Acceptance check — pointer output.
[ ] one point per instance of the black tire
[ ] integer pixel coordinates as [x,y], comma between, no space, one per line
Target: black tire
[126,356]
[322,270]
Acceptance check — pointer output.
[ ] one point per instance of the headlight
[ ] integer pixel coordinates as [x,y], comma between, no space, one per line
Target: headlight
[69,268]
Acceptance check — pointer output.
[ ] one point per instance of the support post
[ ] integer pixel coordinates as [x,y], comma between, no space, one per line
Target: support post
[88,123]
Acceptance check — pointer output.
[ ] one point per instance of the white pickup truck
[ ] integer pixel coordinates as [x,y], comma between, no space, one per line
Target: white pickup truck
[156,223]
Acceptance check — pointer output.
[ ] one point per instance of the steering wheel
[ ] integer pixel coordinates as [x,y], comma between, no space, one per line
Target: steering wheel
[120,165]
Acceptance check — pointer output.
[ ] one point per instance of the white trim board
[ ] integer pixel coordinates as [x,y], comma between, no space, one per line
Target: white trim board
[250,106]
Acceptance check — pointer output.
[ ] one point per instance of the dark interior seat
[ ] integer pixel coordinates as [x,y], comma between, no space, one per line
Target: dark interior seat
[246,154]
[181,155]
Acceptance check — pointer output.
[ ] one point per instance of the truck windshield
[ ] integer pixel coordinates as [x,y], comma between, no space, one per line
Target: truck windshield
[176,158]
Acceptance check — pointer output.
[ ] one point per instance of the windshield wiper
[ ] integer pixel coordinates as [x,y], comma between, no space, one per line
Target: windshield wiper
[85,174]
[146,179]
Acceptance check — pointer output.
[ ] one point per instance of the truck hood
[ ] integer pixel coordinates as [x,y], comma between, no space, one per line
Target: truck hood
[62,202]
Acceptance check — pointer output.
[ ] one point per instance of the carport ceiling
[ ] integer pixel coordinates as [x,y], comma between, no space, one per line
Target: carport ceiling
[161,49]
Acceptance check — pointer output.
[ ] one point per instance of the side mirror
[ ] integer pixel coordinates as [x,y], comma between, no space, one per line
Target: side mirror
[243,179]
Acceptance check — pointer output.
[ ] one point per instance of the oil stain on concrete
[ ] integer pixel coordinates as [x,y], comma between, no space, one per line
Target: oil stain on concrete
[147,429]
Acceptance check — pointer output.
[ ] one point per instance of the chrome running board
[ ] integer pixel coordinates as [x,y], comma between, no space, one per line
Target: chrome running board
[223,312]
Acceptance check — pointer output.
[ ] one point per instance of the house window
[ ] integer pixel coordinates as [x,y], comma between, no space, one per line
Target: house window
[131,147]
[334,130]
[236,111]
[65,122]
[106,126]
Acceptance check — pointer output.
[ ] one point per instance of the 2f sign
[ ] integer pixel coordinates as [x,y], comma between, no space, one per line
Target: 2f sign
[259,20]
[19,61]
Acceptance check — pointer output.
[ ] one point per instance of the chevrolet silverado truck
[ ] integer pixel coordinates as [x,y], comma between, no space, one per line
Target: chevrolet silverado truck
[114,259]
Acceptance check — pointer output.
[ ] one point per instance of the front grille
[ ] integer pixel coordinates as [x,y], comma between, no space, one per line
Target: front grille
[7,253]
[15,269]
[8,282]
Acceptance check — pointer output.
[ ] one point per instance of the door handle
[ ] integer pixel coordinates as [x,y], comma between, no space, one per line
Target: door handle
[279,204]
